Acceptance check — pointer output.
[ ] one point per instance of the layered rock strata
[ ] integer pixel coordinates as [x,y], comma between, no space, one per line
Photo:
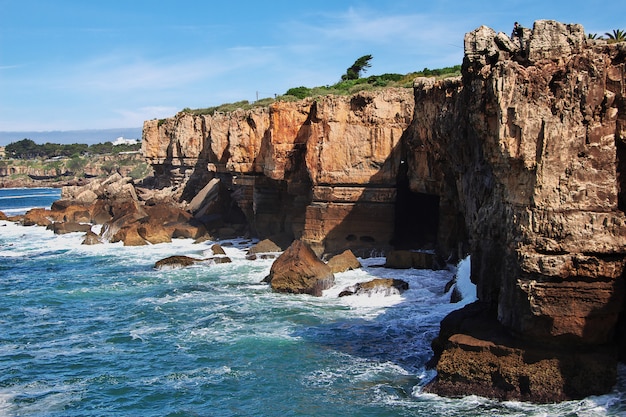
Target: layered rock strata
[322,170]
[531,142]
[519,162]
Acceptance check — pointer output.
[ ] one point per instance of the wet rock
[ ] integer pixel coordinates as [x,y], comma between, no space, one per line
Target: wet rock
[61,228]
[298,270]
[254,256]
[217,249]
[91,239]
[265,246]
[384,286]
[176,261]
[220,260]
[345,261]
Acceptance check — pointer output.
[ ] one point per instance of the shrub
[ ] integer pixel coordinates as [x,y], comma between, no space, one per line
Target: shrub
[299,92]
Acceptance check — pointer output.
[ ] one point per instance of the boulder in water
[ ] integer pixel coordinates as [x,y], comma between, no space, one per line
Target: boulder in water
[265,249]
[217,249]
[61,228]
[384,286]
[91,238]
[344,262]
[298,270]
[176,261]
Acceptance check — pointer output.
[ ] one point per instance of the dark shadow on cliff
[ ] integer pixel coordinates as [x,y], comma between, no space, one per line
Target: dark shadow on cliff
[176,171]
[416,222]
[389,215]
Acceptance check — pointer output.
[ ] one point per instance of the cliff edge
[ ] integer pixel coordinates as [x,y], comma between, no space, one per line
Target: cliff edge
[533,148]
[520,162]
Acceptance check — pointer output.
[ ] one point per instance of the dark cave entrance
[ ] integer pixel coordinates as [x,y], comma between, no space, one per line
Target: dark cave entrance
[416,218]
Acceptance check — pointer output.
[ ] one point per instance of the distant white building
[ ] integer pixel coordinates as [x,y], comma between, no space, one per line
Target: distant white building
[3,153]
[122,141]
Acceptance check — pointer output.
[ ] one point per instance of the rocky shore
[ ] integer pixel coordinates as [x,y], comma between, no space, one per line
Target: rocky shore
[518,163]
[61,172]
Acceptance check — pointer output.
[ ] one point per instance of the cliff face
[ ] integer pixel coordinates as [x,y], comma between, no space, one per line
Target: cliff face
[519,162]
[533,150]
[322,170]
[58,172]
[532,145]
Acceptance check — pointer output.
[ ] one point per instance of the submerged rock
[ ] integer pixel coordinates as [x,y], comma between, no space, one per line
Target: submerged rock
[220,260]
[182,261]
[384,286]
[91,239]
[176,261]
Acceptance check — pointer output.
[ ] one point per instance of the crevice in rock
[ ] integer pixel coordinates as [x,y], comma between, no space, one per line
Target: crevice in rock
[416,216]
[621,174]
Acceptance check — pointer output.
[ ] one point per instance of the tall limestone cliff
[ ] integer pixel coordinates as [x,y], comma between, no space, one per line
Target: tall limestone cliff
[322,170]
[532,143]
[521,162]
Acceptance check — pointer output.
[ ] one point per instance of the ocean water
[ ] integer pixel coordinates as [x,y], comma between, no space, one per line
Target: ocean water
[97,331]
[15,201]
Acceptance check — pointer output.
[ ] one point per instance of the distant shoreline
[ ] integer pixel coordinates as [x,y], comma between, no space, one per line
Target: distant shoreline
[87,136]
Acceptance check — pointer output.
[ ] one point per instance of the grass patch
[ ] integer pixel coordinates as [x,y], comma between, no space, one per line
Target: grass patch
[342,88]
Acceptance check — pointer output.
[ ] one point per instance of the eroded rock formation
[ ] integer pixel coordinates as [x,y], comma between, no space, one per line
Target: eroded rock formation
[298,270]
[520,162]
[322,170]
[531,142]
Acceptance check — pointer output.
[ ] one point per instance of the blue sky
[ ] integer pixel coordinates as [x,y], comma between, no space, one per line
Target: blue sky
[70,64]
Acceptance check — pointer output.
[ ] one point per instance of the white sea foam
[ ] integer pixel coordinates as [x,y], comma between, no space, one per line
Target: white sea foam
[464,285]
[38,398]
[7,407]
[19,197]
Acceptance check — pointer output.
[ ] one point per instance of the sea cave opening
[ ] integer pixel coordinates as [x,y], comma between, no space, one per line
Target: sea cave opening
[416,220]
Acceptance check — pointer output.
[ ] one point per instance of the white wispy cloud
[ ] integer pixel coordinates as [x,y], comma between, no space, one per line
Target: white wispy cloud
[369,26]
[136,116]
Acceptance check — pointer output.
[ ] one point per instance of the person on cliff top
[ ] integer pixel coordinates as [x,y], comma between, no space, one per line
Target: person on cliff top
[518,32]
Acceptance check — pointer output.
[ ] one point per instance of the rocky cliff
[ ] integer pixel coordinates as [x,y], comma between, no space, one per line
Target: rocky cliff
[519,162]
[57,172]
[323,170]
[532,146]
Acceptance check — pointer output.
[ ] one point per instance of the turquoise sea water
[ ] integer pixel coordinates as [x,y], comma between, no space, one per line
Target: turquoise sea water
[97,331]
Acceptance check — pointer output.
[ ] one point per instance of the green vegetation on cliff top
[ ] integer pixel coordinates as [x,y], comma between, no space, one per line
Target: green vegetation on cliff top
[344,87]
